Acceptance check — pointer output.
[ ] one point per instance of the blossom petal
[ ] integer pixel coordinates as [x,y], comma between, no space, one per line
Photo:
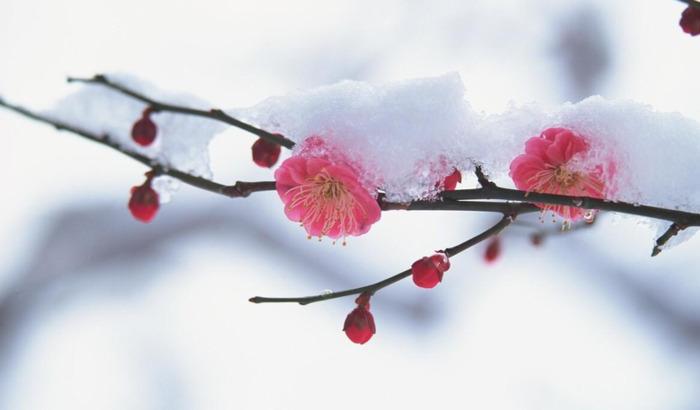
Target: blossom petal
[537,146]
[524,170]
[565,146]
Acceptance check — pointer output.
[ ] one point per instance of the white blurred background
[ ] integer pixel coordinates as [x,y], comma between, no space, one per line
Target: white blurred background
[98,311]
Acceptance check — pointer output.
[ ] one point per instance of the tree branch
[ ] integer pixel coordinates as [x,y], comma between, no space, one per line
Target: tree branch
[214,114]
[458,200]
[488,189]
[510,208]
[451,199]
[483,180]
[584,202]
[239,189]
[373,288]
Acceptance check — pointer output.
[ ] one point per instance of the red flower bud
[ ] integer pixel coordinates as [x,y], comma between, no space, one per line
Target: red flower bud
[452,180]
[690,20]
[144,130]
[359,325]
[428,271]
[144,203]
[493,250]
[265,153]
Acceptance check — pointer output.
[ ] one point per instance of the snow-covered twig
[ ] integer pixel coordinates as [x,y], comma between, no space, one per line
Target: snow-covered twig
[237,190]
[452,200]
[214,114]
[371,289]
[488,189]
[243,189]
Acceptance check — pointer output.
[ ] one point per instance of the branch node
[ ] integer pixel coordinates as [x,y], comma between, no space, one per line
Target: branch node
[243,189]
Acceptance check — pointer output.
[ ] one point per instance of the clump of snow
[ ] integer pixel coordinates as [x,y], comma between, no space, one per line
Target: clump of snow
[409,135]
[654,152]
[165,186]
[182,141]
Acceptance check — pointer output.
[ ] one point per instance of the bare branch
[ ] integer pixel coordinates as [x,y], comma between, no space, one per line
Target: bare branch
[670,233]
[483,180]
[373,288]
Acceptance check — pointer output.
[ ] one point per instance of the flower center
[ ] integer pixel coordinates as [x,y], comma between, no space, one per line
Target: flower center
[561,181]
[564,177]
[330,189]
[327,202]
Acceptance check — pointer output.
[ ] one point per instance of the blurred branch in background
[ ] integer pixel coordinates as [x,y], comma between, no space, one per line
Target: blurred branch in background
[583,51]
[75,251]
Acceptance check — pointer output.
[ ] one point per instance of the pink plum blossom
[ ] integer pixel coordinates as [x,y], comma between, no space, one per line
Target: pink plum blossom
[322,190]
[556,163]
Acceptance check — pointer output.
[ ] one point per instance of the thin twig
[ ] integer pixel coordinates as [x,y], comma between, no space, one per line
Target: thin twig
[214,114]
[483,180]
[373,288]
[691,3]
[239,189]
[663,239]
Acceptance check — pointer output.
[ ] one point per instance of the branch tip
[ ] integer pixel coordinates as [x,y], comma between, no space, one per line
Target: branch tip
[483,180]
[672,231]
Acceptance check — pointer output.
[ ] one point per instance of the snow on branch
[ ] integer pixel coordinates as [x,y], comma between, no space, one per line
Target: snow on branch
[360,149]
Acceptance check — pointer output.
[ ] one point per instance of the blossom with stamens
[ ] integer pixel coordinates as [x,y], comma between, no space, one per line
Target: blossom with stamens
[555,163]
[322,191]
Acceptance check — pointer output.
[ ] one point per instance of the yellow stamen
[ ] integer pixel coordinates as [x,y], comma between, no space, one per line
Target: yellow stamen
[327,199]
